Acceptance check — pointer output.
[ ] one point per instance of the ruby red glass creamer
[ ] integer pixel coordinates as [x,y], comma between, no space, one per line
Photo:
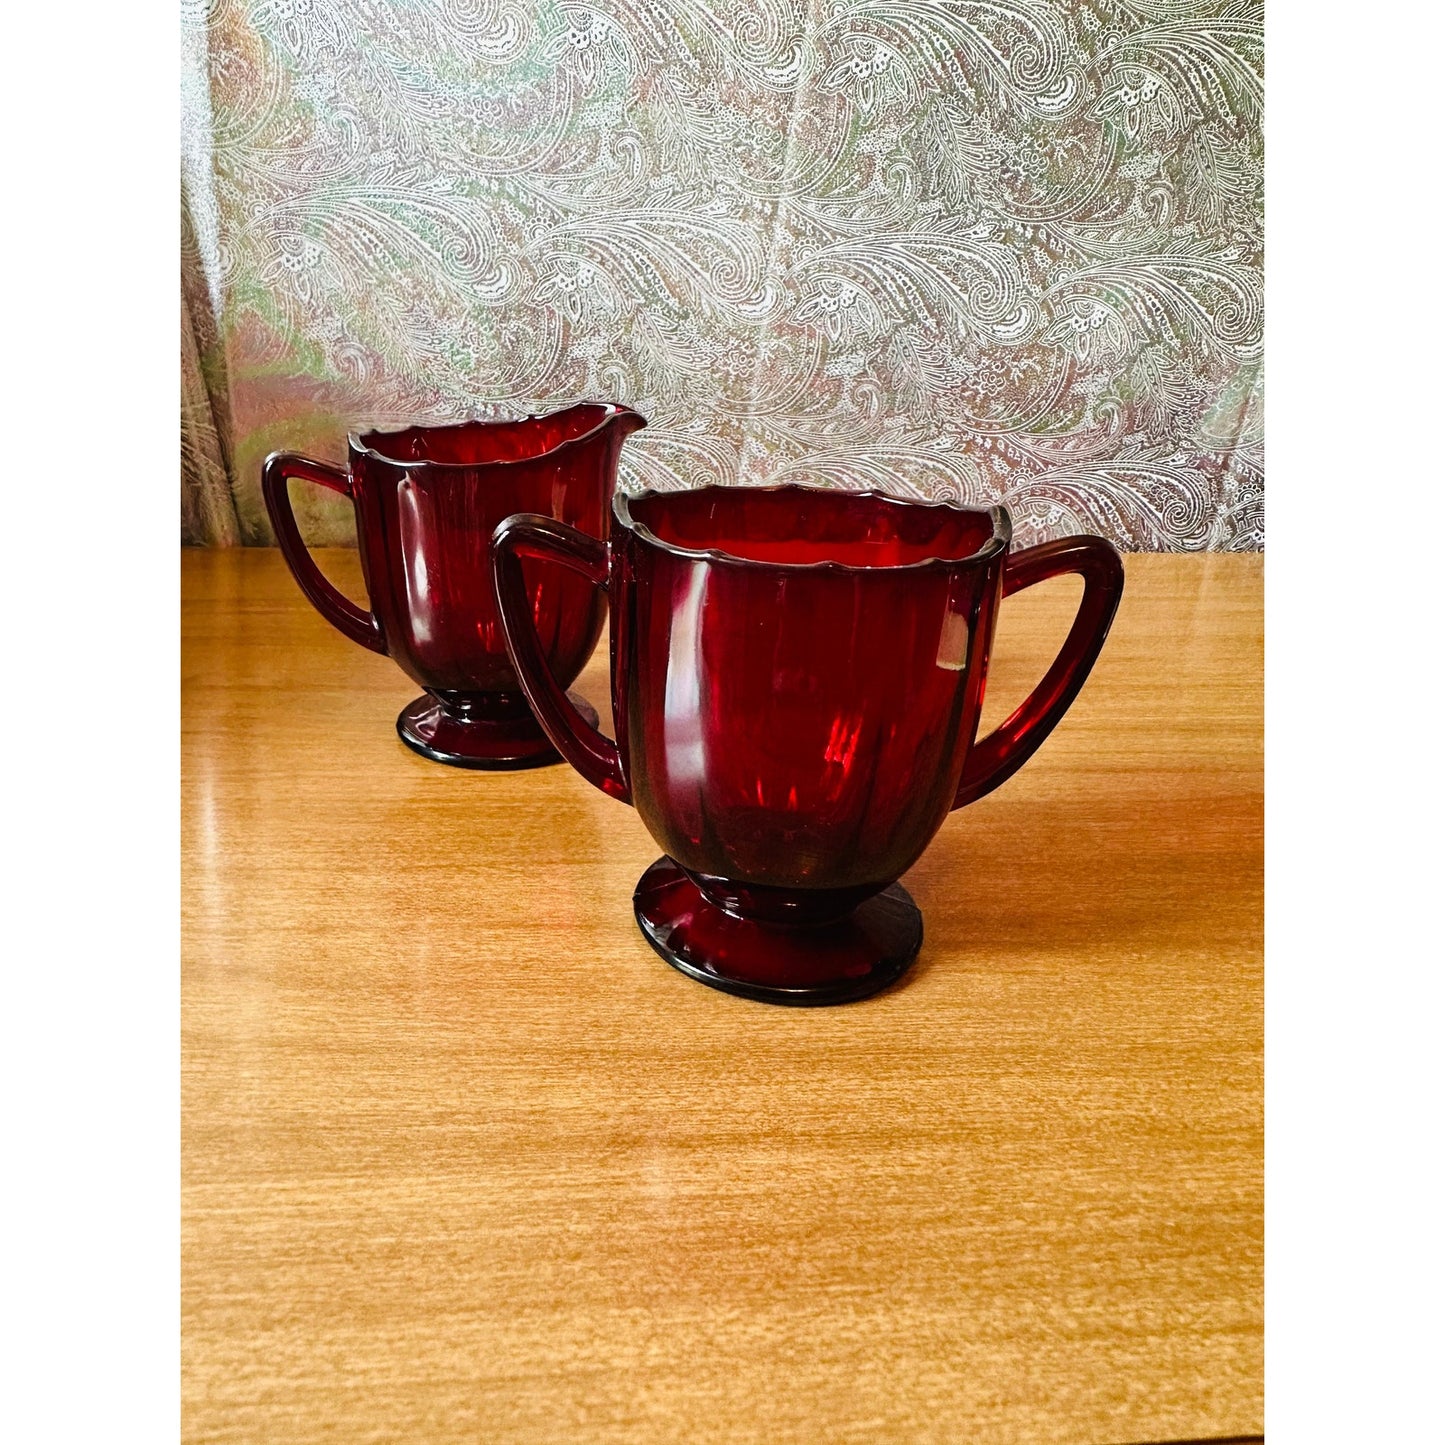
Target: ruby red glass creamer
[797,676]
[427,500]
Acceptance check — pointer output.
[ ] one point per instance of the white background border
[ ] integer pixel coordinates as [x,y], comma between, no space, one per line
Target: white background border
[89,931]
[1354,581]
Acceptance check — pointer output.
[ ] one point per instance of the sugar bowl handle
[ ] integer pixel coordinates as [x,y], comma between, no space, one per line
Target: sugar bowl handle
[338,609]
[529,534]
[996,758]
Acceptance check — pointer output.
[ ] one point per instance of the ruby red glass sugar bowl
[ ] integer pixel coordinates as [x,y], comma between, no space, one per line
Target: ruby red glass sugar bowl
[427,500]
[797,676]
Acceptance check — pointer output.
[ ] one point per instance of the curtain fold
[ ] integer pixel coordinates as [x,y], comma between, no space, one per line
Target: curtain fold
[208,514]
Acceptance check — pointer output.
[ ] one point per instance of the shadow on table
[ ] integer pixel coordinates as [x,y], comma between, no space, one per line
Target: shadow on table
[1101,876]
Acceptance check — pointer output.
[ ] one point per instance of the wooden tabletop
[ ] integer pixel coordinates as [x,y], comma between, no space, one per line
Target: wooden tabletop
[464,1160]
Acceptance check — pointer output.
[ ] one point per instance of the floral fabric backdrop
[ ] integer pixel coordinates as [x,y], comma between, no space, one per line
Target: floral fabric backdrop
[999,250]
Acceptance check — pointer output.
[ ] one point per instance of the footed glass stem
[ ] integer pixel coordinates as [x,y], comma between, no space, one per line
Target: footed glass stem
[839,960]
[489,731]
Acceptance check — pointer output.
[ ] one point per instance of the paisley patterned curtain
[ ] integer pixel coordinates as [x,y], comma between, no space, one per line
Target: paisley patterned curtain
[1000,250]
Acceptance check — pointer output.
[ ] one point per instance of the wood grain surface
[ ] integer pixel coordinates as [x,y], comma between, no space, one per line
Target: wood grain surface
[463,1159]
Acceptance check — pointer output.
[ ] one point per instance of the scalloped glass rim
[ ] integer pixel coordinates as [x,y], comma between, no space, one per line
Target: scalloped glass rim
[364,443]
[998,542]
